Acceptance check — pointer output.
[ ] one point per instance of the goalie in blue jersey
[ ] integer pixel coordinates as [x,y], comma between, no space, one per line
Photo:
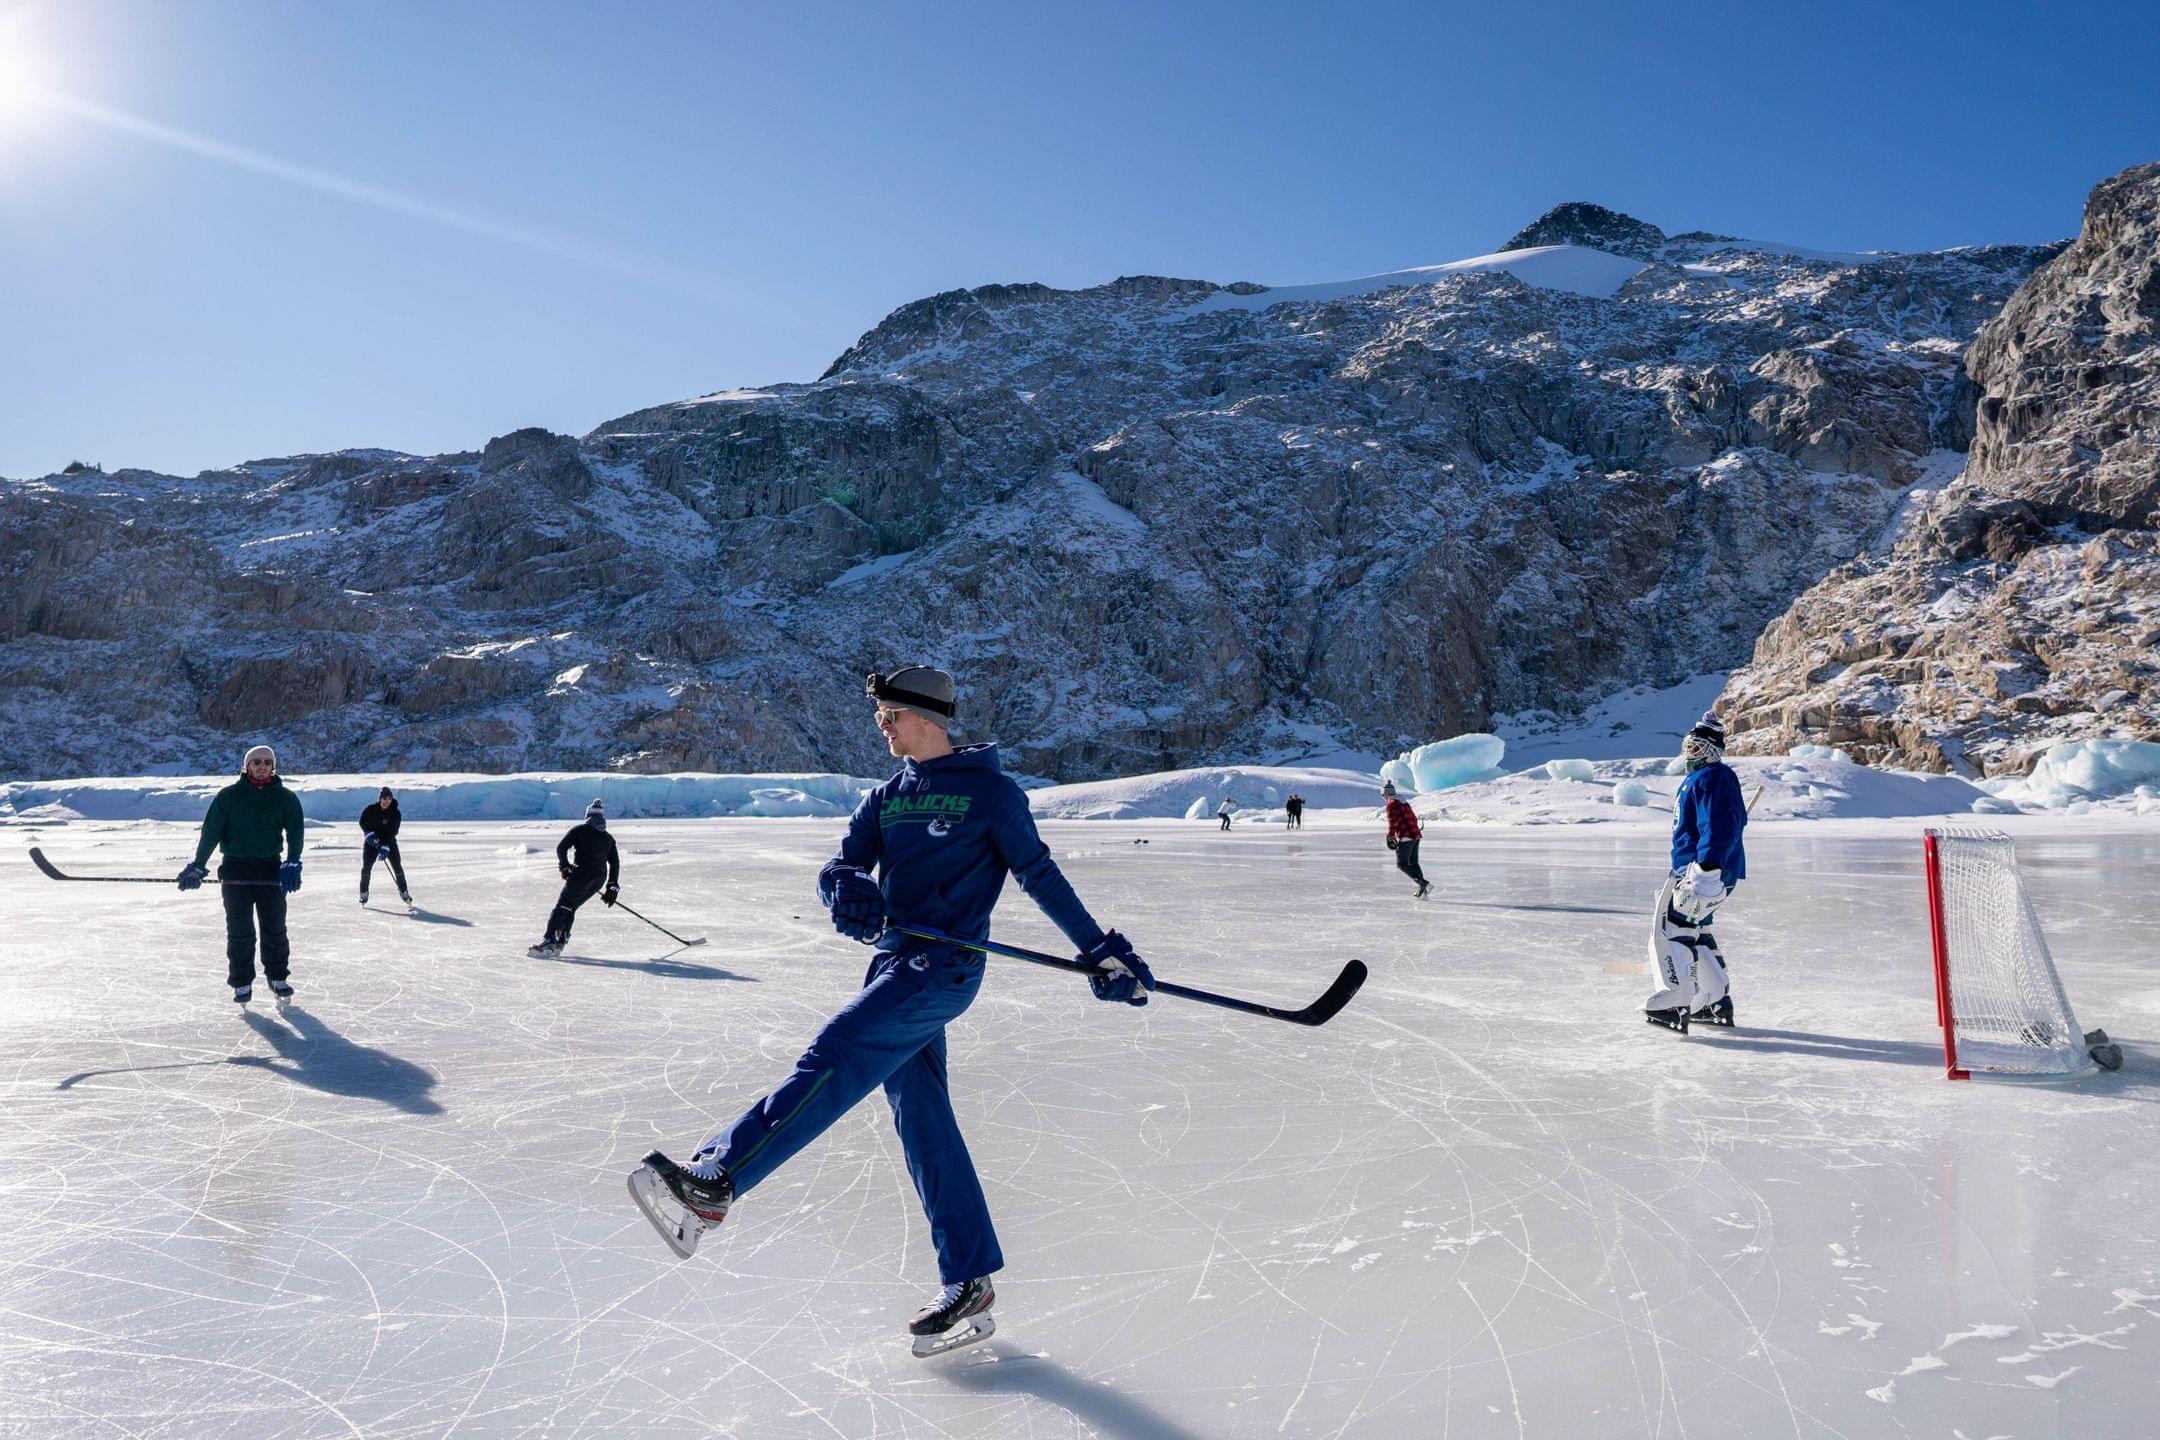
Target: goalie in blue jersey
[1708,860]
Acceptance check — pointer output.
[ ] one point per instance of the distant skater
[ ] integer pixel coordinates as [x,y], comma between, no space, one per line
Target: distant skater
[1294,810]
[1708,861]
[381,821]
[590,865]
[1403,835]
[1224,810]
[255,820]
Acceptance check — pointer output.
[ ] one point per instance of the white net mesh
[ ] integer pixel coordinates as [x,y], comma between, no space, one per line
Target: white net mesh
[2007,1006]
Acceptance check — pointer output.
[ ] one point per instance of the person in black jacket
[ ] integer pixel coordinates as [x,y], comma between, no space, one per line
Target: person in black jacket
[590,865]
[381,821]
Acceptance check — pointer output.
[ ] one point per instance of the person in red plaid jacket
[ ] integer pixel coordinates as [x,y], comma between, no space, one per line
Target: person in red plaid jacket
[1403,835]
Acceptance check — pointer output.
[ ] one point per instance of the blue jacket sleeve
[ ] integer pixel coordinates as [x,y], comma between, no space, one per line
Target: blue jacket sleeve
[859,848]
[1012,830]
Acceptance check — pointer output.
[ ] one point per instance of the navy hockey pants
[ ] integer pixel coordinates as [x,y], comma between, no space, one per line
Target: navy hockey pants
[891,1034]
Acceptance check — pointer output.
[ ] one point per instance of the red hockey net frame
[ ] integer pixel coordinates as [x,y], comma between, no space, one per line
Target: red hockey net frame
[1942,960]
[2020,1018]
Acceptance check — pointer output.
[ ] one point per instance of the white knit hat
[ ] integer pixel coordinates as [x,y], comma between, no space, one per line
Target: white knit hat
[264,751]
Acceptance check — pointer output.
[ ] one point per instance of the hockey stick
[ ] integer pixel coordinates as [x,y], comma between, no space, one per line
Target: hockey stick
[37,858]
[662,928]
[1319,1012]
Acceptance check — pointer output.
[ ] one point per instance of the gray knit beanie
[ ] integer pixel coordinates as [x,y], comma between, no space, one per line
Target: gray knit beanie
[926,691]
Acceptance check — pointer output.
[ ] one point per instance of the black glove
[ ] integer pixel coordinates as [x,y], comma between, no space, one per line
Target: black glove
[858,905]
[567,872]
[192,877]
[1391,842]
[607,896]
[1120,974]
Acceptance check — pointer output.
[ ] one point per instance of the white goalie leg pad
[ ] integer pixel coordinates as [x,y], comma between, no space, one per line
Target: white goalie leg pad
[1672,959]
[1711,981]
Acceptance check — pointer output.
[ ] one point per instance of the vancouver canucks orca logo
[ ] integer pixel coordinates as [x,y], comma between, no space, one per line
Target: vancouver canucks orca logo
[942,814]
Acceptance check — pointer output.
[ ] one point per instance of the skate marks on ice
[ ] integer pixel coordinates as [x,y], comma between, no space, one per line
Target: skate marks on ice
[1476,1204]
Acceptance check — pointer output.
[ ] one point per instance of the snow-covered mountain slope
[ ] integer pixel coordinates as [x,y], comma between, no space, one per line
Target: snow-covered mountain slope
[1152,523]
[2021,607]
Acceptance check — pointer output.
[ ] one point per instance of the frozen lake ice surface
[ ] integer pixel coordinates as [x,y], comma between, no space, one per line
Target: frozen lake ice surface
[1486,1200]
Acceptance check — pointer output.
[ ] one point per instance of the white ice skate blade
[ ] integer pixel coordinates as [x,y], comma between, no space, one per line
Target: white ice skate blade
[977,1329]
[676,1225]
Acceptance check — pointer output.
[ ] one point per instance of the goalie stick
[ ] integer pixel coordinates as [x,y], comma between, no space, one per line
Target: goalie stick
[1319,1012]
[37,858]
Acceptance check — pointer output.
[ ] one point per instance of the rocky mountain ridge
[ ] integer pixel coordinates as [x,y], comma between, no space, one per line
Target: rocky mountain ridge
[2022,606]
[1150,523]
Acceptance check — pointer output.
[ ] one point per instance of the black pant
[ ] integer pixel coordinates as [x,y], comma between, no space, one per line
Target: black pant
[1297,819]
[1406,860]
[385,850]
[580,887]
[1226,822]
[247,909]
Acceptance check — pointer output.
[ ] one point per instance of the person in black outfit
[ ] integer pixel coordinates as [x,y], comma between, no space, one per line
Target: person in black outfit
[595,869]
[381,821]
[1294,807]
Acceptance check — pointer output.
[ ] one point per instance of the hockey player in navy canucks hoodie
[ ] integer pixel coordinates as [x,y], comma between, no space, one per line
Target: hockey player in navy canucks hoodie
[941,835]
[1708,860]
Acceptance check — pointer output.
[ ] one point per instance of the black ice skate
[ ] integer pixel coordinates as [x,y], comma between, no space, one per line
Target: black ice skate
[281,990]
[1673,1019]
[406,896]
[241,994]
[1717,1013]
[546,950]
[680,1205]
[959,1317]
[1424,888]
[363,897]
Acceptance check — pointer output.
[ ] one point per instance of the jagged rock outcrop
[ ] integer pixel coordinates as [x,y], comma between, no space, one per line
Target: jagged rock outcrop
[1151,523]
[1579,222]
[2022,607]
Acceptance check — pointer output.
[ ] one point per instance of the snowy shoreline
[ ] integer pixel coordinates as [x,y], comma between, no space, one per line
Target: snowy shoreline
[1816,788]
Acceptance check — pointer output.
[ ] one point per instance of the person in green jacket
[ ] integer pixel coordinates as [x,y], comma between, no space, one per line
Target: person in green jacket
[255,820]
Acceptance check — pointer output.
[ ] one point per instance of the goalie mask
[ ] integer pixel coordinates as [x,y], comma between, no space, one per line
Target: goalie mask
[1705,744]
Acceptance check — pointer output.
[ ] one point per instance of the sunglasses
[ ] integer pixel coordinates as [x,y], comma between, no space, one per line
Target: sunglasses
[889,714]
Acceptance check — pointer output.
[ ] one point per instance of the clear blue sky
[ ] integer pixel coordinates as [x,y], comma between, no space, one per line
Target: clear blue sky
[549,214]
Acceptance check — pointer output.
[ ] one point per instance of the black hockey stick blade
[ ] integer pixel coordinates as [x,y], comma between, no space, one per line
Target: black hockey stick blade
[37,858]
[1319,1012]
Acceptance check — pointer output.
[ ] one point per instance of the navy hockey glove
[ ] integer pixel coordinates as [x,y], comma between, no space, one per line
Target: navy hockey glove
[288,875]
[192,877]
[1120,974]
[374,843]
[607,896]
[858,905]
